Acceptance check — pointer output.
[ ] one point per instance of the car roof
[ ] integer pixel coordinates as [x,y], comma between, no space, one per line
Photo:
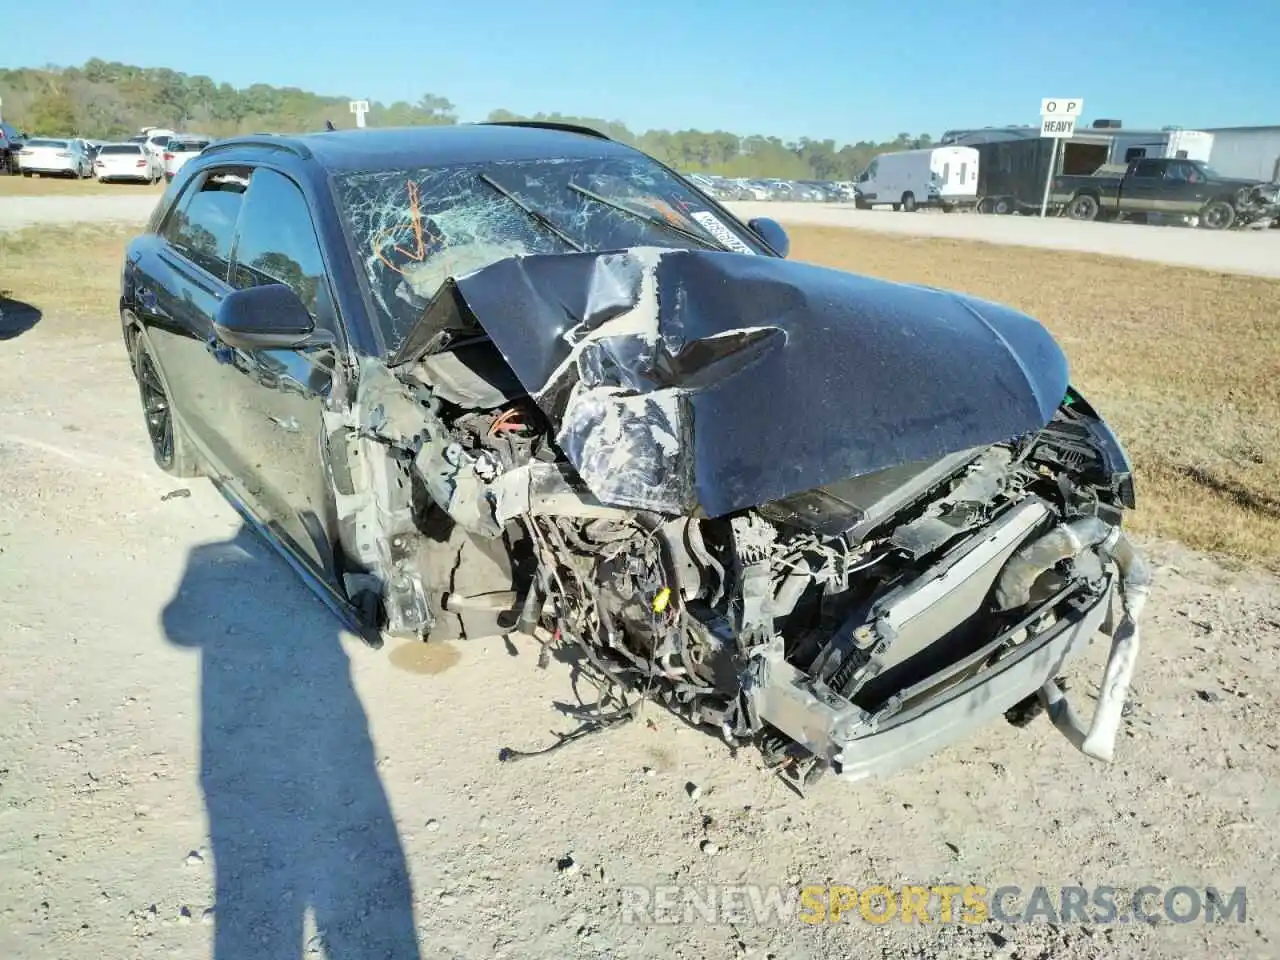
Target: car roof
[390,148]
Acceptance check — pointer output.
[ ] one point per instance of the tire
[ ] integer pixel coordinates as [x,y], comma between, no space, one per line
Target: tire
[1083,206]
[169,445]
[1002,207]
[896,207]
[860,204]
[909,202]
[1217,215]
[26,173]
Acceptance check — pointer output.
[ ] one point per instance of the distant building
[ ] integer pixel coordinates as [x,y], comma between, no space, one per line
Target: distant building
[1252,152]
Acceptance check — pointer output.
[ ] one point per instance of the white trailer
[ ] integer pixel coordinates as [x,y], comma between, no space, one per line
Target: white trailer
[943,177]
[1165,144]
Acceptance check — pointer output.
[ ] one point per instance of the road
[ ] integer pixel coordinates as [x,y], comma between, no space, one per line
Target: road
[1254,252]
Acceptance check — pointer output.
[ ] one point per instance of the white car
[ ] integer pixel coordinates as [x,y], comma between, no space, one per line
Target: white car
[46,156]
[181,149]
[127,161]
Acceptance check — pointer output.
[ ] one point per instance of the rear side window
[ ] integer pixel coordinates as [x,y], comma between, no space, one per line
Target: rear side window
[1148,168]
[205,221]
[277,242]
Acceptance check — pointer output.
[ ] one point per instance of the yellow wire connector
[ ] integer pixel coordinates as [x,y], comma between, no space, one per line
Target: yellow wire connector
[661,599]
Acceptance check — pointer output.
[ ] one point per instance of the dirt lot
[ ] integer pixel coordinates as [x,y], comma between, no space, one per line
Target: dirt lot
[176,701]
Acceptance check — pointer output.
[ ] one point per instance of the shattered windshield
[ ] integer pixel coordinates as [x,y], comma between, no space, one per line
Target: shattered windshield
[412,229]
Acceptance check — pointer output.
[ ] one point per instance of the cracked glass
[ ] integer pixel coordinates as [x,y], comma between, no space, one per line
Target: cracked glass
[412,229]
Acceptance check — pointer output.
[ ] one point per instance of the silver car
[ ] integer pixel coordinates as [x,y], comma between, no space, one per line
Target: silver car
[45,156]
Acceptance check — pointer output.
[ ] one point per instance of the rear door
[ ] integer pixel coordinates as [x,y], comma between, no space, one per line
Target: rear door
[278,397]
[1142,187]
[179,283]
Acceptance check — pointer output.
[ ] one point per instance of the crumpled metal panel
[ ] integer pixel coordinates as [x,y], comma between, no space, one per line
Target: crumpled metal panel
[698,381]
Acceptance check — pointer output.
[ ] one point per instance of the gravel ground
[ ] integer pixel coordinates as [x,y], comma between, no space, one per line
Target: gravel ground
[194,757]
[17,211]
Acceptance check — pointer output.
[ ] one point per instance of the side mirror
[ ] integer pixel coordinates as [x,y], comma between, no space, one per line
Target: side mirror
[268,317]
[771,232]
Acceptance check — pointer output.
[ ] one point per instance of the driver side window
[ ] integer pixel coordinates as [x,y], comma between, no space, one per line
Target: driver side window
[277,244]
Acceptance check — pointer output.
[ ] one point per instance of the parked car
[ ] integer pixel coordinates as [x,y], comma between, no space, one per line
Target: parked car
[127,161]
[179,150]
[506,377]
[11,140]
[1167,187]
[47,156]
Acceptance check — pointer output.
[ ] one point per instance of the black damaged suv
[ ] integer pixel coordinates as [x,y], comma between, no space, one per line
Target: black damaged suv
[498,377]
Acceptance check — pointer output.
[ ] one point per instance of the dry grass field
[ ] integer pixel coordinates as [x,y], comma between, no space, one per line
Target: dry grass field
[1184,363]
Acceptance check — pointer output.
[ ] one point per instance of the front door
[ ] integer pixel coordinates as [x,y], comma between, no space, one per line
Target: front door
[278,397]
[1143,187]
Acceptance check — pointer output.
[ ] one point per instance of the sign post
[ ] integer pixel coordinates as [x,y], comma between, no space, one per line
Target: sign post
[359,108]
[1058,117]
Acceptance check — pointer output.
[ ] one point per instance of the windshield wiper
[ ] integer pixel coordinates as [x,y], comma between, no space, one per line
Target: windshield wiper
[535,215]
[651,219]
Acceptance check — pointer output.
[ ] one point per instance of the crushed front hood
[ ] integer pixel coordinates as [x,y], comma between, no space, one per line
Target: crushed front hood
[701,382]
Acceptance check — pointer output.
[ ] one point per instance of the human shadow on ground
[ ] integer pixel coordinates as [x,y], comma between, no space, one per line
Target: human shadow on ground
[16,316]
[298,817]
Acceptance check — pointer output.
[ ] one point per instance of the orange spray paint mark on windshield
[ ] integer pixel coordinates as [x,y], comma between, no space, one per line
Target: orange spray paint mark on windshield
[418,253]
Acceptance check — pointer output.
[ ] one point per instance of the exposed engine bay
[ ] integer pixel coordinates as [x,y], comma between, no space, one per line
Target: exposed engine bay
[843,626]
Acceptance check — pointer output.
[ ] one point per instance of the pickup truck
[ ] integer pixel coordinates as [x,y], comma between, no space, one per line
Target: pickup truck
[1169,187]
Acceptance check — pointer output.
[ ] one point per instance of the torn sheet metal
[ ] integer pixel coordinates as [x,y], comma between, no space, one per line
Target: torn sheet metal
[699,381]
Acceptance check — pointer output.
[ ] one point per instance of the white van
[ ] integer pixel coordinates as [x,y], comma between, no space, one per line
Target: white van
[933,177]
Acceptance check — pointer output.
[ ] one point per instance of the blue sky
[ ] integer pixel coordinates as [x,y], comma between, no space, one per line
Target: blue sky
[848,70]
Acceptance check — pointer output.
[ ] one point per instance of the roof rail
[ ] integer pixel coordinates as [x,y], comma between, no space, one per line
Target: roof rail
[549,125]
[268,140]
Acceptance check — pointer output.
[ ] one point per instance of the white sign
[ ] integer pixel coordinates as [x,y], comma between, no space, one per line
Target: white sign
[1061,106]
[359,108]
[715,226]
[1060,127]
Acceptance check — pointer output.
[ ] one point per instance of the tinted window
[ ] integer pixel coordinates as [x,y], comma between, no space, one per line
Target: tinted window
[1148,168]
[60,144]
[277,242]
[204,223]
[120,148]
[187,146]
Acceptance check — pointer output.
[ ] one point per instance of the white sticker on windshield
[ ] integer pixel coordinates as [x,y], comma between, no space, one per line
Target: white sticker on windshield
[716,227]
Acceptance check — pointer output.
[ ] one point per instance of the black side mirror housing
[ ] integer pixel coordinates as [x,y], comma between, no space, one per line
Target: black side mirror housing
[267,317]
[772,233]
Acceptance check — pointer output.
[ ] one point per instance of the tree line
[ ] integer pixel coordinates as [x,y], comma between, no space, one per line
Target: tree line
[108,100]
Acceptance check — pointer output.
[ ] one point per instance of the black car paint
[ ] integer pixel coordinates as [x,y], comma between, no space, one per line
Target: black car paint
[761,377]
